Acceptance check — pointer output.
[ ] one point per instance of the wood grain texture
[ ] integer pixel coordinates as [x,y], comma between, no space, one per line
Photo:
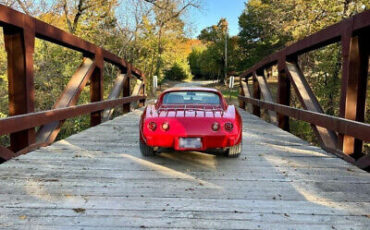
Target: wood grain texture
[97,179]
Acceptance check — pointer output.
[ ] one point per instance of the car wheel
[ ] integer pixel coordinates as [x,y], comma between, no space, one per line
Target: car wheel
[146,150]
[234,151]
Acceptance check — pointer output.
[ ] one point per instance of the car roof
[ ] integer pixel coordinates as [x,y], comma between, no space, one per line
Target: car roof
[203,89]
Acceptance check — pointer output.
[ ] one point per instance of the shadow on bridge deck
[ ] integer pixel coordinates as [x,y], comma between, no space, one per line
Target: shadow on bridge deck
[98,179]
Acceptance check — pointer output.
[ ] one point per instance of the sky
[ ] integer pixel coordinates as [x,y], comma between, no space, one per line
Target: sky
[214,10]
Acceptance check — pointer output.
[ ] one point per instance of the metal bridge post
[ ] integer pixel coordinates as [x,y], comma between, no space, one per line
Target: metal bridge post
[256,95]
[126,89]
[283,96]
[142,93]
[242,103]
[355,51]
[97,87]
[19,44]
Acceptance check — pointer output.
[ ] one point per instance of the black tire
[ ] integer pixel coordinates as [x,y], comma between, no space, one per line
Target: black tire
[234,151]
[146,150]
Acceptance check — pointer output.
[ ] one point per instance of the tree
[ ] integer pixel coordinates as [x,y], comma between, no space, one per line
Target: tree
[194,60]
[215,33]
[258,36]
[28,6]
[93,13]
[176,72]
[208,60]
[167,15]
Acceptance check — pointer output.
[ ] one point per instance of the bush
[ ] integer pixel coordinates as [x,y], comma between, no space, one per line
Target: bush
[176,72]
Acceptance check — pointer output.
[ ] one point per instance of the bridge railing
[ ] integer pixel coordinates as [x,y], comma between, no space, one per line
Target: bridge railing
[343,135]
[20,31]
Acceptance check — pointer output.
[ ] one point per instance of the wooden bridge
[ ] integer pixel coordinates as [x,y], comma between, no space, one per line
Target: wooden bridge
[97,179]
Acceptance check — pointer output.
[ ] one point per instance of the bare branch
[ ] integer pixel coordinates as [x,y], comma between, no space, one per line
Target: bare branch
[66,13]
[23,6]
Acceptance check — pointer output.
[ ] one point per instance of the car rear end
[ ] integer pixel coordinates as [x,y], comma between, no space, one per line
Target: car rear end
[191,127]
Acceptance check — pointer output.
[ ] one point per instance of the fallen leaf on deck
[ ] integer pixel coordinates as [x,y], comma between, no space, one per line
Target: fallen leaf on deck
[79,210]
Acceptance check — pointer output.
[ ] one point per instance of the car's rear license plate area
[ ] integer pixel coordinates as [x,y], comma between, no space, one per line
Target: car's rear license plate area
[190,143]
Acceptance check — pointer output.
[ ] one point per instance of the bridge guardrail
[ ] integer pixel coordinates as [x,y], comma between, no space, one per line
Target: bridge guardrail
[20,31]
[343,135]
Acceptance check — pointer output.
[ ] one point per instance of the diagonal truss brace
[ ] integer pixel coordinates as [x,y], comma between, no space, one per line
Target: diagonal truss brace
[266,93]
[139,89]
[327,138]
[47,133]
[114,94]
[246,92]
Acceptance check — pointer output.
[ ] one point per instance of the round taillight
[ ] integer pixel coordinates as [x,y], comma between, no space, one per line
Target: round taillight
[229,126]
[215,126]
[165,126]
[152,126]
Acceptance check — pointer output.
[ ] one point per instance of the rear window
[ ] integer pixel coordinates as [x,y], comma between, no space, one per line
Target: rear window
[191,97]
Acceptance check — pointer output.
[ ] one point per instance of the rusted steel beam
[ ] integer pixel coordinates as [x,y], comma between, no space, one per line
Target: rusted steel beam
[266,93]
[320,39]
[19,46]
[126,91]
[114,60]
[341,125]
[364,162]
[142,92]
[10,17]
[96,87]
[355,52]
[115,93]
[283,94]
[257,95]
[244,91]
[69,97]
[308,100]
[138,73]
[248,94]
[27,121]
[55,35]
[30,148]
[6,154]
[242,103]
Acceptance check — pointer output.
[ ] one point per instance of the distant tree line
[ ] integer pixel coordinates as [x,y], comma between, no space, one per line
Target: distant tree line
[265,27]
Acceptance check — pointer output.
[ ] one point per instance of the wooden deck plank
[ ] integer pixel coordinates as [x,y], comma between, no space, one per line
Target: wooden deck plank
[98,179]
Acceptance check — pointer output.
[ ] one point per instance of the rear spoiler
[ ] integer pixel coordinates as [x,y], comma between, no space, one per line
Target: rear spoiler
[195,109]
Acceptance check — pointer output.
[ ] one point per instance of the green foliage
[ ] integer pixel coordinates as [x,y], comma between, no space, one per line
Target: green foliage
[322,70]
[258,36]
[209,62]
[194,59]
[214,33]
[303,130]
[206,63]
[177,73]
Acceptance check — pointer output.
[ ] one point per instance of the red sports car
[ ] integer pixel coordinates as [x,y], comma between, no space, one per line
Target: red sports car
[191,119]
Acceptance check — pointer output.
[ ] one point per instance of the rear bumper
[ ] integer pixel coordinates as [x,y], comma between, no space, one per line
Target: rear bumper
[208,142]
